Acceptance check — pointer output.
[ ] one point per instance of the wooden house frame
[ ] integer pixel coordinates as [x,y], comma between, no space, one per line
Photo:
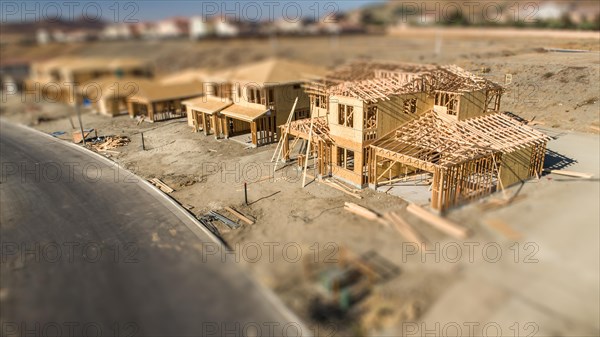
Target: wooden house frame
[467,159]
[56,78]
[159,102]
[254,100]
[382,122]
[108,95]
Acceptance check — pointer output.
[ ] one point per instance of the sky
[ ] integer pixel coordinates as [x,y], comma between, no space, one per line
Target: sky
[148,10]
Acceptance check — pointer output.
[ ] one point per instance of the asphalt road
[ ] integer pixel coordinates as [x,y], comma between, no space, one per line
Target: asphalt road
[89,249]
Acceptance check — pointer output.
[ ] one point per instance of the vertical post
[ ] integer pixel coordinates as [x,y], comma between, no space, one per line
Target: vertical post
[78,111]
[246,193]
[307,152]
[143,145]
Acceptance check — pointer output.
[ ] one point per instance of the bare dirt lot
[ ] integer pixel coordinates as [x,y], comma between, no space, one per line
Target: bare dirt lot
[548,267]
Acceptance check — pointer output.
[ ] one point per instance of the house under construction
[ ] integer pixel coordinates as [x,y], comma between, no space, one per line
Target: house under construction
[380,123]
[63,79]
[249,102]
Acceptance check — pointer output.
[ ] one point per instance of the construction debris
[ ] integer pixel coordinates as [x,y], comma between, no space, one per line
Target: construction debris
[497,203]
[504,229]
[340,188]
[570,173]
[348,281]
[364,212]
[105,144]
[231,224]
[389,219]
[239,215]
[207,220]
[161,185]
[88,134]
[404,228]
[438,222]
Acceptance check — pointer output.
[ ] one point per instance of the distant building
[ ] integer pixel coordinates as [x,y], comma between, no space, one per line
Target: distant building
[173,28]
[42,36]
[13,73]
[144,30]
[118,31]
[284,26]
[54,78]
[550,11]
[200,28]
[225,28]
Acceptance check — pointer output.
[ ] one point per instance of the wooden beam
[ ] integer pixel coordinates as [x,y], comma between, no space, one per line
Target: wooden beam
[239,215]
[570,173]
[405,229]
[438,222]
[337,187]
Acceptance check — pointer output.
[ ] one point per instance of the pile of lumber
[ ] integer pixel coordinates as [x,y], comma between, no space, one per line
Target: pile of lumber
[111,142]
[442,224]
[389,219]
[161,185]
[395,220]
[404,228]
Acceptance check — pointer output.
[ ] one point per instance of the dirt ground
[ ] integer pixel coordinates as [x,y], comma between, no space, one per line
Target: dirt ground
[208,174]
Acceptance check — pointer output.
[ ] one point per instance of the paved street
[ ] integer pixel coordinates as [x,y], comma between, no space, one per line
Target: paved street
[89,247]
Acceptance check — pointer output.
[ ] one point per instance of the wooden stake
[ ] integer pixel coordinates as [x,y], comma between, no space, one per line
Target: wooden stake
[307,151]
[279,148]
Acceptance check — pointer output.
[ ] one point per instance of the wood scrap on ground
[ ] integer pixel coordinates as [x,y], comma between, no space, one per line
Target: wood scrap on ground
[570,173]
[161,185]
[390,219]
[340,187]
[239,215]
[111,142]
[438,222]
[364,212]
[88,134]
[504,229]
[404,228]
[497,203]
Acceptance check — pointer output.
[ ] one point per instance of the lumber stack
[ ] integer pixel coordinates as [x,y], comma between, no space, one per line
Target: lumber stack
[390,219]
[111,142]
